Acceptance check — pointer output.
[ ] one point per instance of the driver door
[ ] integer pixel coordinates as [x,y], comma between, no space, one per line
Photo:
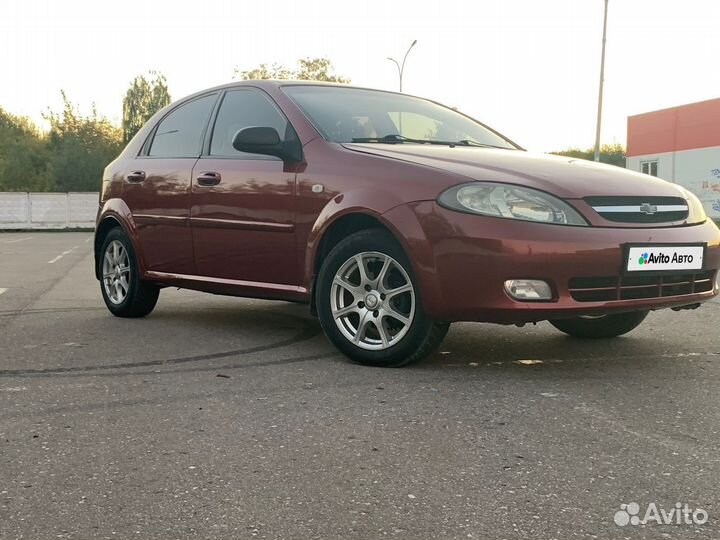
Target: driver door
[242,205]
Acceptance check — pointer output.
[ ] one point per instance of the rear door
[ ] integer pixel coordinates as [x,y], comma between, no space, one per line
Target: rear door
[157,186]
[242,213]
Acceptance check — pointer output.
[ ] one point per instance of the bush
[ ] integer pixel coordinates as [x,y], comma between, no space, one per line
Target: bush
[613,154]
[80,147]
[24,157]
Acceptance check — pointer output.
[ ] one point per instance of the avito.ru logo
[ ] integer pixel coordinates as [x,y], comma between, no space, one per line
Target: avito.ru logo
[662,258]
[680,514]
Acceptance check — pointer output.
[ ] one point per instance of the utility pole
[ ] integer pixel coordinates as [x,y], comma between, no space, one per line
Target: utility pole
[401,67]
[602,81]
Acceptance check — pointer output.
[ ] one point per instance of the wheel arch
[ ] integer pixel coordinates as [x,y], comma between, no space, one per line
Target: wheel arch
[113,215]
[334,231]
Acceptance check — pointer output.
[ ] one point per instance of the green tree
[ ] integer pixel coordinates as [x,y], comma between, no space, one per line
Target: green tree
[308,69]
[317,69]
[145,97]
[613,154]
[265,71]
[80,147]
[24,158]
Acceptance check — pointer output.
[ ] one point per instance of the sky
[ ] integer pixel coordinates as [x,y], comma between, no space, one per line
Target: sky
[528,68]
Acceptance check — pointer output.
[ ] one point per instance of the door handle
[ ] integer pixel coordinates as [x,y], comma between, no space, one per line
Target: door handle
[208,179]
[135,176]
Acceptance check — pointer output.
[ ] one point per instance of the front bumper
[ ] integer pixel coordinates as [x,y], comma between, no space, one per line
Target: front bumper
[461,262]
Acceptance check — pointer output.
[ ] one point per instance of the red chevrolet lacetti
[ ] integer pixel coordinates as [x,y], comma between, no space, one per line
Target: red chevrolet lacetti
[392,216]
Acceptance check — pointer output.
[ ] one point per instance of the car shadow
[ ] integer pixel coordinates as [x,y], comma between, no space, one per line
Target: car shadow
[263,315]
[482,347]
[468,346]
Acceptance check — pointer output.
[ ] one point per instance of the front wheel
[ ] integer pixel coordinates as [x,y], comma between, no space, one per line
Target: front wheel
[368,303]
[124,293]
[605,326]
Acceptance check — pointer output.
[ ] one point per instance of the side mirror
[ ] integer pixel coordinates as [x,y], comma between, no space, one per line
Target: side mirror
[266,141]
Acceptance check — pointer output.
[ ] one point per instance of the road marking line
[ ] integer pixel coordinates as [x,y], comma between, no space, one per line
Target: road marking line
[2,290]
[56,259]
[16,241]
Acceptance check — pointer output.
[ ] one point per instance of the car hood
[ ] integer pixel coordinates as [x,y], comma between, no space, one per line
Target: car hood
[568,178]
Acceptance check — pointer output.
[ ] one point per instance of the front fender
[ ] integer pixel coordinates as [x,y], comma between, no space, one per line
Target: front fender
[404,223]
[369,202]
[399,218]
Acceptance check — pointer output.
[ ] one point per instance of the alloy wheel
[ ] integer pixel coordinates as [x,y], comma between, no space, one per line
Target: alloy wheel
[116,272]
[372,300]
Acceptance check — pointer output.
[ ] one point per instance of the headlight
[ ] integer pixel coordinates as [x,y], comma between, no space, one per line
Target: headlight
[509,201]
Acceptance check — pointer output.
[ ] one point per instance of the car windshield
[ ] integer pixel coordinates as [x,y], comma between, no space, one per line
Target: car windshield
[357,115]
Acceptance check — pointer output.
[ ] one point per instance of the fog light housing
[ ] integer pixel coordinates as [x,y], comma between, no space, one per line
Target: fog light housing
[528,289]
[717,281]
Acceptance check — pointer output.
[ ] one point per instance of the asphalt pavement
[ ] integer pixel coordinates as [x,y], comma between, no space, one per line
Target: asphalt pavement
[227,418]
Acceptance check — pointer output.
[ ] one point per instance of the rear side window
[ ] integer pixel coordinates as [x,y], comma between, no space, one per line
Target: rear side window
[241,109]
[180,133]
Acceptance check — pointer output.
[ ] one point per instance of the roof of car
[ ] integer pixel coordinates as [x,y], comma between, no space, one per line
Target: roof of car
[276,83]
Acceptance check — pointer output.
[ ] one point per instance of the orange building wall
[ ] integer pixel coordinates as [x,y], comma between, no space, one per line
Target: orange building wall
[696,125]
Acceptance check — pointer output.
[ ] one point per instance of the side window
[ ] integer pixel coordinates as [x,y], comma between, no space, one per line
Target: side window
[180,133]
[241,109]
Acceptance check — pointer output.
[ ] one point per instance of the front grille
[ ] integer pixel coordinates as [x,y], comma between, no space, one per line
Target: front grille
[607,289]
[640,209]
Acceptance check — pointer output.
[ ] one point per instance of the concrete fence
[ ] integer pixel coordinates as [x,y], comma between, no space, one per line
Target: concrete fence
[48,210]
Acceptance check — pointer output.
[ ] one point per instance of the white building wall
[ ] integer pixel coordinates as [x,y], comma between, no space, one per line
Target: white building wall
[82,210]
[697,170]
[665,164]
[14,210]
[48,210]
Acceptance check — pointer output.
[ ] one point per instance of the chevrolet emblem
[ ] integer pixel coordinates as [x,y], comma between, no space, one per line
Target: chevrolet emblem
[647,208]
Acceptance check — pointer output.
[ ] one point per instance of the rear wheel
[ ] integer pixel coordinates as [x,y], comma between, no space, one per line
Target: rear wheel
[604,326]
[368,303]
[124,293]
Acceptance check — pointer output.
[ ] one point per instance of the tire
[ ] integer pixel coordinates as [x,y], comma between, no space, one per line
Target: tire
[385,325]
[607,326]
[124,293]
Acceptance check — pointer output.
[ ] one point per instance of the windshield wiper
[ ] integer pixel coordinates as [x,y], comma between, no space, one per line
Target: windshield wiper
[394,138]
[467,142]
[391,139]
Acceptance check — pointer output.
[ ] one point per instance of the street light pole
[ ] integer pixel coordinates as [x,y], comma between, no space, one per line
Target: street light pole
[602,81]
[401,67]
